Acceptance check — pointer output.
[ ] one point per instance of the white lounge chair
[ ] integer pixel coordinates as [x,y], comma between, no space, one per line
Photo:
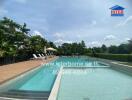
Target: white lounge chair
[35,57]
[40,55]
[43,55]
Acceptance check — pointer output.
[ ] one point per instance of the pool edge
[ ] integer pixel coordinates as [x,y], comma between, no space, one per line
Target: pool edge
[55,89]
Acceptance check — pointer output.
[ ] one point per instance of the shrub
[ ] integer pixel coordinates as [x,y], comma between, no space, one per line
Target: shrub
[118,57]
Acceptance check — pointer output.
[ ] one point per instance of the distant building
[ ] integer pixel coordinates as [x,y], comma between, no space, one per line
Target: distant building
[117,11]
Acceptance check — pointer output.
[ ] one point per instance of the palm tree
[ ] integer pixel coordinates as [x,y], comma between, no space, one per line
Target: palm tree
[24,29]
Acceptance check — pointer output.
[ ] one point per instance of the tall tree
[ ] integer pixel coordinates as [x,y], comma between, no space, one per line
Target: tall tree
[104,48]
[24,29]
[113,49]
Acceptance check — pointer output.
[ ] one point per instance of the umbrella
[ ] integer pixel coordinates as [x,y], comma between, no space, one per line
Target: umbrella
[51,49]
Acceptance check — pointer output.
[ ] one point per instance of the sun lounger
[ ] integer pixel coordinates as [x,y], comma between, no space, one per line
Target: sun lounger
[35,57]
[40,55]
[43,55]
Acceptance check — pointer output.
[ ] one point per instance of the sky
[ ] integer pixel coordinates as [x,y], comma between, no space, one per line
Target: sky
[70,21]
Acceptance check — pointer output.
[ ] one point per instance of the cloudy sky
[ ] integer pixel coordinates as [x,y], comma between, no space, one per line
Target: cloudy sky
[72,20]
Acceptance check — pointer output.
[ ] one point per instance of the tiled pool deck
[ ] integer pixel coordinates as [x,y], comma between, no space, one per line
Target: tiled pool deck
[10,71]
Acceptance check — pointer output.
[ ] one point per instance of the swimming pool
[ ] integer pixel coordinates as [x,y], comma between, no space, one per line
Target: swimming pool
[96,84]
[42,79]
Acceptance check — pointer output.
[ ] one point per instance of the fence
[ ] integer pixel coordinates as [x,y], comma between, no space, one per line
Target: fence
[13,59]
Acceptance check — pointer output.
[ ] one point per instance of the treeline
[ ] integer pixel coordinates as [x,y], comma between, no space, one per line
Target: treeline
[81,49]
[15,39]
[72,49]
[125,48]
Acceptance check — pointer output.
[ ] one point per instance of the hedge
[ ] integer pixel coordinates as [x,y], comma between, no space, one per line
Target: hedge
[118,57]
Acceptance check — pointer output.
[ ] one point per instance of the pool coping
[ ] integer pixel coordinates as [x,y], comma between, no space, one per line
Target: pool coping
[55,89]
[4,98]
[4,82]
[115,65]
[16,78]
[41,63]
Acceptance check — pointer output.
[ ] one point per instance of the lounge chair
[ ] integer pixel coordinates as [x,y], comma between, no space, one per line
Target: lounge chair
[40,55]
[43,55]
[35,57]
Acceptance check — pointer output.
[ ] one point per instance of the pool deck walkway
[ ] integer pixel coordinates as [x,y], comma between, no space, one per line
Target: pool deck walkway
[10,71]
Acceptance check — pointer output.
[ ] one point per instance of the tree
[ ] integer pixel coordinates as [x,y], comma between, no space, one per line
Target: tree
[15,39]
[97,49]
[130,46]
[8,36]
[24,29]
[51,44]
[104,48]
[72,48]
[123,49]
[37,44]
[113,49]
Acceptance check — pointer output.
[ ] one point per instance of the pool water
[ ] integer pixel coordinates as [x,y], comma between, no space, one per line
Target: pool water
[44,78]
[96,84]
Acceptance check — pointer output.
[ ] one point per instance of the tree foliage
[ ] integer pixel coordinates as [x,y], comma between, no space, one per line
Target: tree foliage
[72,49]
[121,49]
[16,40]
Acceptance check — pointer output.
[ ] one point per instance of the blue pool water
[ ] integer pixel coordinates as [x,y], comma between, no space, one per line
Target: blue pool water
[96,84]
[44,78]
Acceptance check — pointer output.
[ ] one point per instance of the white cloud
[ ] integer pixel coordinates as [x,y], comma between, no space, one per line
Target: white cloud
[60,42]
[37,33]
[110,37]
[94,44]
[125,22]
[127,39]
[21,1]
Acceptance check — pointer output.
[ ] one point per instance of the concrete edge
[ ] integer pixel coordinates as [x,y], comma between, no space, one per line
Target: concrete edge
[115,65]
[55,89]
[36,67]
[122,64]
[109,62]
[1,83]
[19,77]
[15,79]
[4,98]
